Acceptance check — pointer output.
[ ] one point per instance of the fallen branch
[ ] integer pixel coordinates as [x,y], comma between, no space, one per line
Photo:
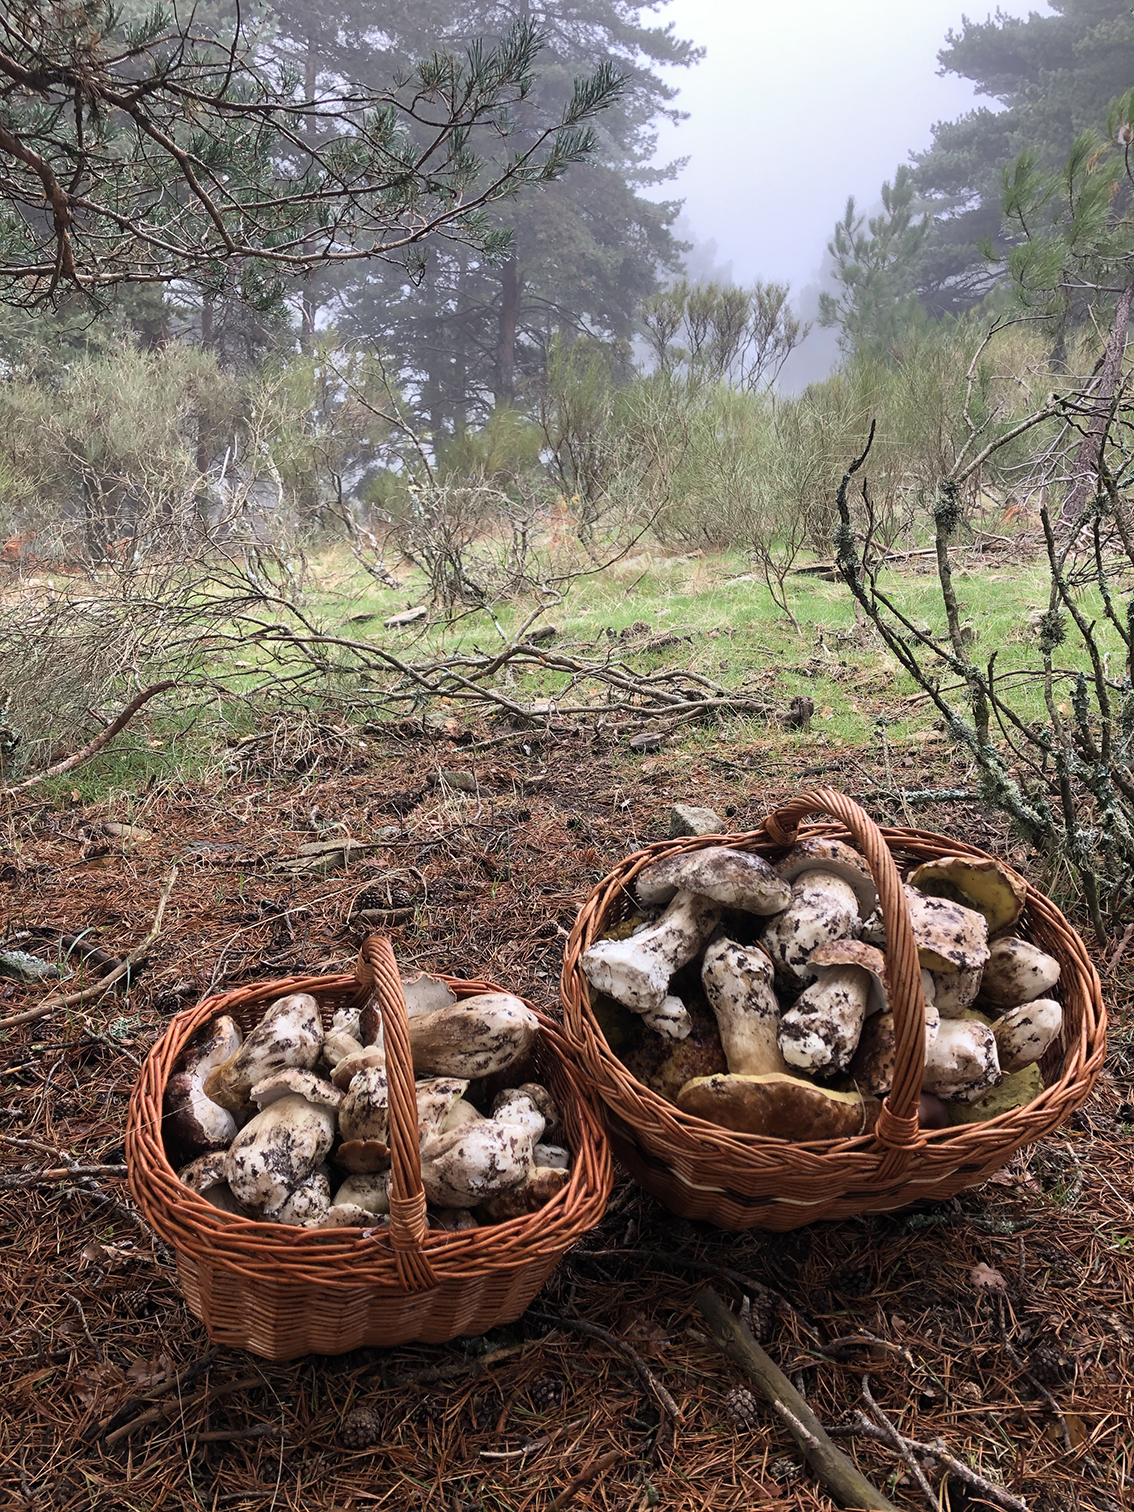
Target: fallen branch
[649,1380]
[589,1473]
[103,738]
[159,1414]
[839,1475]
[96,989]
[126,1409]
[862,1427]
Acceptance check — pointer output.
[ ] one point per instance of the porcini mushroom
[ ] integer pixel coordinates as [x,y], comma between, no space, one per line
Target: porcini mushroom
[873,1063]
[671,1020]
[482,1160]
[738,983]
[821,1030]
[424,995]
[307,1204]
[961,1064]
[193,1122]
[979,882]
[289,1034]
[1017,972]
[371,1192]
[949,936]
[778,1106]
[733,878]
[636,972]
[555,1156]
[206,1177]
[278,1149]
[530,1106]
[833,858]
[951,992]
[823,907]
[1025,1032]
[473,1037]
[534,1192]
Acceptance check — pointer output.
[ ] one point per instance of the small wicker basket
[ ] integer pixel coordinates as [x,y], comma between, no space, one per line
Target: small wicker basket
[741,1181]
[282,1292]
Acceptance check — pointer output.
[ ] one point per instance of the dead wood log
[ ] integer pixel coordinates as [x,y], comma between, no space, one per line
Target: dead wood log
[839,1475]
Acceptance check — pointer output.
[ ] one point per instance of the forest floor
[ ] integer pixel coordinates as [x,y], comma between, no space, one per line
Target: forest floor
[1031,1380]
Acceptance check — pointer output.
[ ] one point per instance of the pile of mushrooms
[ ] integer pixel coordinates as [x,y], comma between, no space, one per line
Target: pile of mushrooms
[291,1123]
[788,960]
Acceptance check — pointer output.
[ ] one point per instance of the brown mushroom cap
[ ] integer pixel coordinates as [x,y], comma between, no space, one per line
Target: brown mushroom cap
[358,1060]
[979,882]
[823,854]
[733,878]
[856,953]
[362,1156]
[778,1106]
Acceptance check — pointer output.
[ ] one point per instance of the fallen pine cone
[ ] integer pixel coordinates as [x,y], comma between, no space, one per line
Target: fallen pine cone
[547,1392]
[740,1407]
[360,1429]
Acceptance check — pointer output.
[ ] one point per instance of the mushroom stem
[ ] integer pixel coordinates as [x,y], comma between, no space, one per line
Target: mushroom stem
[738,984]
[636,972]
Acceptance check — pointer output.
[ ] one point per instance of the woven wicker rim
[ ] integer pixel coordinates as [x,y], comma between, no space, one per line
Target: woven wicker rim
[897,1133]
[406,1256]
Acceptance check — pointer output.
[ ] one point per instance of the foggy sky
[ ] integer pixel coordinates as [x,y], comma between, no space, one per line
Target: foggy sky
[797,104]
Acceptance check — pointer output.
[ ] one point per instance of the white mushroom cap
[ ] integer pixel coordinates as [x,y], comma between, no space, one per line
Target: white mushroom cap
[733,878]
[452,1220]
[308,1202]
[345,1021]
[487,1158]
[365,1110]
[371,1192]
[476,1036]
[278,1150]
[529,1105]
[826,855]
[552,1155]
[823,907]
[337,1045]
[289,1034]
[1017,972]
[206,1171]
[1025,1032]
[534,1192]
[962,1063]
[636,972]
[348,1215]
[949,937]
[954,991]
[738,983]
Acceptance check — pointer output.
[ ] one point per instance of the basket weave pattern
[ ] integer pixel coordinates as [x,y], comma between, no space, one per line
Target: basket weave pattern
[740,1181]
[282,1292]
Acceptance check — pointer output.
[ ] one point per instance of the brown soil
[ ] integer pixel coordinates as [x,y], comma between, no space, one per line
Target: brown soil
[1031,1381]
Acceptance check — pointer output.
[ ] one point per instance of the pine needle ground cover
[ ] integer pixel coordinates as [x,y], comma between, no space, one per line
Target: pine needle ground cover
[999,1322]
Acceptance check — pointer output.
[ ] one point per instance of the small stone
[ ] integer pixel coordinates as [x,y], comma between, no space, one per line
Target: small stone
[688,819]
[360,1429]
[407,617]
[455,781]
[740,1407]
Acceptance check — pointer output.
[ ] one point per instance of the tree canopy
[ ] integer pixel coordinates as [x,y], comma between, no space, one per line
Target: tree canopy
[155,147]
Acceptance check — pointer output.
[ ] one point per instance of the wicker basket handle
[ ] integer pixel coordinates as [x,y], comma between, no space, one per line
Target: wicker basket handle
[378,979]
[897,1125]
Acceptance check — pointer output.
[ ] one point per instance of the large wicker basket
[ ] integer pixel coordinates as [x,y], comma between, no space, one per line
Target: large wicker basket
[741,1181]
[282,1292]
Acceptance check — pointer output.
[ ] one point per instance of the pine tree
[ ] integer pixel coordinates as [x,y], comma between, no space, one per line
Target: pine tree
[466,332]
[1054,76]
